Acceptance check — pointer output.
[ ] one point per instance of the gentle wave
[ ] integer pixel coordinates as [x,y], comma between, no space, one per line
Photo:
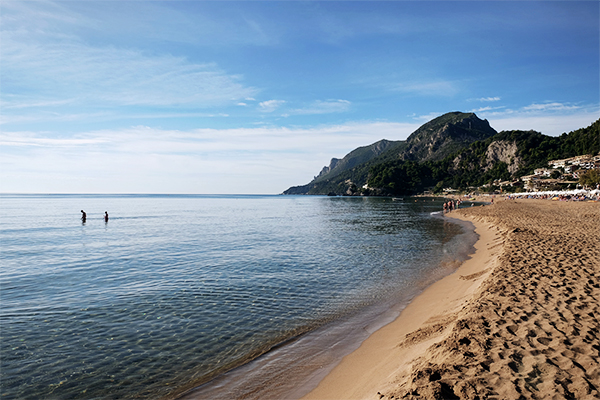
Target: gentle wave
[175,290]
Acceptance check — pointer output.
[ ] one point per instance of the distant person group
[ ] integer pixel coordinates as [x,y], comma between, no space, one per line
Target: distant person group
[84,216]
[451,205]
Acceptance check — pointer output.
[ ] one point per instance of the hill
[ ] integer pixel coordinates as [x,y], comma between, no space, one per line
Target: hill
[445,135]
[456,150]
[432,141]
[356,157]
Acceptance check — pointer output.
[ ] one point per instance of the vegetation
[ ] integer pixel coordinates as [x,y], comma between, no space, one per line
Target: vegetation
[405,168]
[590,178]
[433,141]
[534,149]
[360,156]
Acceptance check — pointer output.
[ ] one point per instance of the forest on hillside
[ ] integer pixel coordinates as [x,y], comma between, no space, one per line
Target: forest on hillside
[535,150]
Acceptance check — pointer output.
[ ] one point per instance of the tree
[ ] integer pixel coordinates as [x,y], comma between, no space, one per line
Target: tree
[590,178]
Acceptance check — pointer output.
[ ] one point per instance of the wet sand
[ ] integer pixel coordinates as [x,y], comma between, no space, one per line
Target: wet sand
[520,319]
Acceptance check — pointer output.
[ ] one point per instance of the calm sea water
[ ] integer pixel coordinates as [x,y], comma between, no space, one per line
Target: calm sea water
[175,290]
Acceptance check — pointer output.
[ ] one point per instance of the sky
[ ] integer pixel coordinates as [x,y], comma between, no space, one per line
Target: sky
[252,97]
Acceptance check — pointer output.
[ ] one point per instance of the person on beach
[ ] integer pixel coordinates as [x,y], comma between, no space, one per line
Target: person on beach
[83,216]
[105,216]
[445,207]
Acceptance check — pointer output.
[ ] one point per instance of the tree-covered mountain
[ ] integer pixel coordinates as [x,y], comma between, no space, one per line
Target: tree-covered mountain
[456,150]
[445,135]
[357,157]
[507,155]
[432,141]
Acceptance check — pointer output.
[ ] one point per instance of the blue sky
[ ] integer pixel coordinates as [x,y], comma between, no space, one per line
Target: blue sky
[254,97]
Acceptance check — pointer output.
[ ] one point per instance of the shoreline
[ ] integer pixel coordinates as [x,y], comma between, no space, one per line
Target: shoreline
[384,356]
[518,319]
[322,349]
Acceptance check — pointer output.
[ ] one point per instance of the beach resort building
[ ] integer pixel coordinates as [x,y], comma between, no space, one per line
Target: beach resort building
[544,171]
[529,181]
[579,162]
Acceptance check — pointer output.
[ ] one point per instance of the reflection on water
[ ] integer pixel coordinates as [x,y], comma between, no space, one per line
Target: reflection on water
[177,289]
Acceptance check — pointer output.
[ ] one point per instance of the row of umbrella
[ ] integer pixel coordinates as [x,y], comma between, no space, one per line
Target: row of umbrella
[576,192]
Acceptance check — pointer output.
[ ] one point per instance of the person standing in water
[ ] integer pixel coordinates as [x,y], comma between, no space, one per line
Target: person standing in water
[83,216]
[105,216]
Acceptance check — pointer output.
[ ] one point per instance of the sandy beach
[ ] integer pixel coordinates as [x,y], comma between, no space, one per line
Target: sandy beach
[520,319]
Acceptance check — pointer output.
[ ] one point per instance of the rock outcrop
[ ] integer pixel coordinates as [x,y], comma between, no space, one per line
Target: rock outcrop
[327,169]
[433,141]
[355,157]
[502,151]
[445,135]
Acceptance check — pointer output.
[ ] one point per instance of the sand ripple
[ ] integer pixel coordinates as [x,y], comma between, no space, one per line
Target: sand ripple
[532,330]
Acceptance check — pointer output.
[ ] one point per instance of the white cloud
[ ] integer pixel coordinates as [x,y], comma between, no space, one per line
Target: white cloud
[47,62]
[104,76]
[323,107]
[488,108]
[428,88]
[487,99]
[552,118]
[552,125]
[19,102]
[426,117]
[270,105]
[150,160]
[101,116]
[550,107]
[30,139]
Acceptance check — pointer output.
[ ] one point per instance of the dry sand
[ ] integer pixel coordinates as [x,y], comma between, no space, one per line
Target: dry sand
[519,320]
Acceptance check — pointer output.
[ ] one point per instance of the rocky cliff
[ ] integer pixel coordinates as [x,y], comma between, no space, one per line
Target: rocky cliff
[327,169]
[355,157]
[431,142]
[502,151]
[427,161]
[445,135]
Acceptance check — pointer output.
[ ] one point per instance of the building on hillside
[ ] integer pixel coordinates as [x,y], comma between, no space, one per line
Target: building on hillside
[530,181]
[558,163]
[586,161]
[509,183]
[568,161]
[544,171]
[548,184]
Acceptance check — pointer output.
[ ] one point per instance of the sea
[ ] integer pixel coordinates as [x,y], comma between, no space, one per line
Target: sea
[205,296]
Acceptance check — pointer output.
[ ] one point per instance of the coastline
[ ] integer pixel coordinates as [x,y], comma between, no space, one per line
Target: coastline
[384,357]
[291,369]
[519,318]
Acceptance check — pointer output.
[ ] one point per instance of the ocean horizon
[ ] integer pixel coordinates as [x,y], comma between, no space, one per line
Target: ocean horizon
[205,296]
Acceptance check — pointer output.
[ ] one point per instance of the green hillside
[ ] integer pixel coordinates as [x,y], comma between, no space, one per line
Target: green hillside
[475,165]
[356,157]
[456,150]
[432,141]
